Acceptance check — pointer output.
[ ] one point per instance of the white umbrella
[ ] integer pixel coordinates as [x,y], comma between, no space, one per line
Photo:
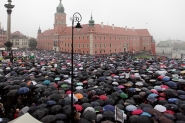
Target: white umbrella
[139,83]
[160,108]
[79,87]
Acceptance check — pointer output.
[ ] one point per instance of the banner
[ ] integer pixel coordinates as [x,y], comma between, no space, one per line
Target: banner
[118,115]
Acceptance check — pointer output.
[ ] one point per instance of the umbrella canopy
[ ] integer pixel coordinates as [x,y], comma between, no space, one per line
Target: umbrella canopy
[131,108]
[48,119]
[89,115]
[23,90]
[160,108]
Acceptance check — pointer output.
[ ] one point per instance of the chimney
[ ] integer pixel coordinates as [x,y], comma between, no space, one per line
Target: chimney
[133,28]
[101,24]
[126,28]
[112,26]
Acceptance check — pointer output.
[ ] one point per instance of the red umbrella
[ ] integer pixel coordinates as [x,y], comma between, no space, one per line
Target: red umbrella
[68,92]
[137,112]
[161,98]
[154,91]
[55,85]
[78,107]
[160,77]
[162,95]
[103,97]
[164,87]
[169,112]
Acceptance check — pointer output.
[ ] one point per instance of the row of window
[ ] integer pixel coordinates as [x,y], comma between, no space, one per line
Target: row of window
[79,45]
[96,37]
[20,39]
[145,43]
[23,43]
[2,38]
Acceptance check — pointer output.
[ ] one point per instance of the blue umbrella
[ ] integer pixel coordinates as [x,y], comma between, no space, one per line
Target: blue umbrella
[182,97]
[57,79]
[146,114]
[151,99]
[166,78]
[131,89]
[171,84]
[181,92]
[23,90]
[108,108]
[152,95]
[50,102]
[172,100]
[158,88]
[131,108]
[46,82]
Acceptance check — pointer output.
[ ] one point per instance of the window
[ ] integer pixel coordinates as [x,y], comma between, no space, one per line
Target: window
[104,45]
[87,45]
[83,45]
[79,45]
[87,37]
[110,45]
[79,37]
[100,45]
[95,37]
[95,45]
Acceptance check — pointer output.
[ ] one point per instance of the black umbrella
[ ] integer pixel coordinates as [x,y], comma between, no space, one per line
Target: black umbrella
[84,100]
[38,114]
[12,93]
[143,105]
[41,106]
[171,107]
[170,93]
[169,116]
[89,115]
[48,119]
[82,120]
[67,109]
[85,105]
[144,119]
[60,116]
[101,102]
[55,97]
[55,108]
[109,101]
[108,114]
[180,116]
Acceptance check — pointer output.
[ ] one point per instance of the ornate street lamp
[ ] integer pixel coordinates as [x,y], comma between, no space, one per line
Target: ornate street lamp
[9,44]
[76,18]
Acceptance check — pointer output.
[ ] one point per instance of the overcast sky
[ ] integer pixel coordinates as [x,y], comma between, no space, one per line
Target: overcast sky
[165,19]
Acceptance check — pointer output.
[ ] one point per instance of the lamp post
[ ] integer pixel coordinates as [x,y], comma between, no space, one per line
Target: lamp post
[76,18]
[9,44]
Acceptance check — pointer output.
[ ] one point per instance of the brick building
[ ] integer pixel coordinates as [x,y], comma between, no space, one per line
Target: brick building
[3,36]
[93,38]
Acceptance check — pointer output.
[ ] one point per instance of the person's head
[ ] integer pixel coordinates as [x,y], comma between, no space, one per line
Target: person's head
[17,110]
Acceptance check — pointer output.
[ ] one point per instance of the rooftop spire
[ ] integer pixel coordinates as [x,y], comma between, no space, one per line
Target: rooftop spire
[91,21]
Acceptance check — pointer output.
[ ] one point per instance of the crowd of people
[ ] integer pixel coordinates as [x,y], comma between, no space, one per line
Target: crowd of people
[144,90]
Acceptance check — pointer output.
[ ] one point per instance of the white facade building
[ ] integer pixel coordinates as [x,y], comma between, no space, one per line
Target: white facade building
[19,40]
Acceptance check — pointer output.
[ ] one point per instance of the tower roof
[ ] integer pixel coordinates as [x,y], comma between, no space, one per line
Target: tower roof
[60,7]
[91,21]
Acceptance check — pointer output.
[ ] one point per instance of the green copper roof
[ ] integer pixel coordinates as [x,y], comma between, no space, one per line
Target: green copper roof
[91,21]
[60,8]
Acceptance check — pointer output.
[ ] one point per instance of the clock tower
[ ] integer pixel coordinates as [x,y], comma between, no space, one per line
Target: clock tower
[60,19]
